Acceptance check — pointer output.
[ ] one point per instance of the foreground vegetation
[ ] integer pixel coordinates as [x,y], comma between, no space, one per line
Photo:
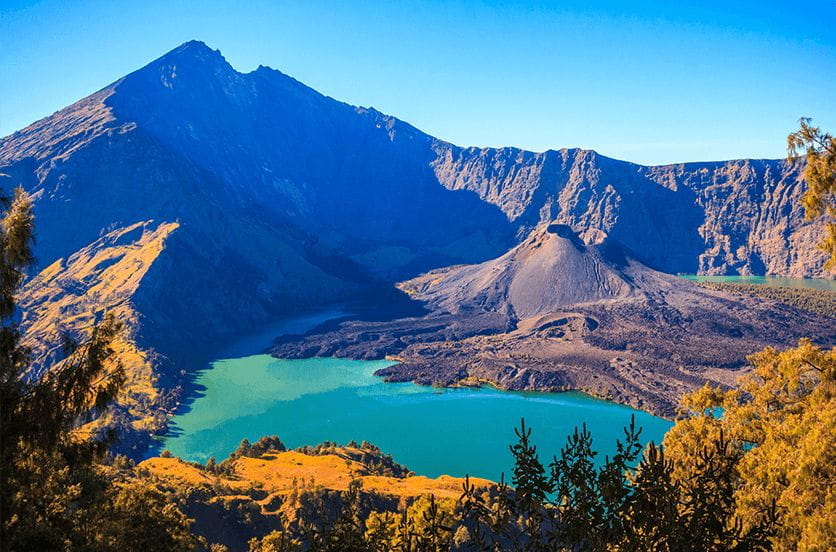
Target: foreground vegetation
[819,151]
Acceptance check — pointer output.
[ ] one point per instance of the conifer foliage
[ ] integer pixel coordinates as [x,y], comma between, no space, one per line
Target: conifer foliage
[819,151]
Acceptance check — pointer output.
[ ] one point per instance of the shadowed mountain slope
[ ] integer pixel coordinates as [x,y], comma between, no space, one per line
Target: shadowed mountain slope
[279,199]
[189,129]
[188,133]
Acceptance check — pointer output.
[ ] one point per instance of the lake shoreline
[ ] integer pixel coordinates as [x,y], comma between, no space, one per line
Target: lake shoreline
[244,343]
[826,284]
[309,401]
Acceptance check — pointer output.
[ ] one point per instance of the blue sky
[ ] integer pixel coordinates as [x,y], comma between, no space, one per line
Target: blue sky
[651,82]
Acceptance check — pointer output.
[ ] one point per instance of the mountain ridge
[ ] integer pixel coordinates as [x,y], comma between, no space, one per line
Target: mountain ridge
[287,199]
[195,45]
[536,185]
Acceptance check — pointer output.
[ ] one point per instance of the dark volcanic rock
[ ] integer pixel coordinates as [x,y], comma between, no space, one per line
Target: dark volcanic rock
[554,314]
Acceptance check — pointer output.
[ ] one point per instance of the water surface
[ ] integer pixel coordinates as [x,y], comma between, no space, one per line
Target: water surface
[432,431]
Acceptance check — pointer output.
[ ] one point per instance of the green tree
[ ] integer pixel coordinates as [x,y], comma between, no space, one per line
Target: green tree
[590,502]
[819,150]
[651,520]
[274,541]
[433,523]
[531,485]
[578,501]
[348,531]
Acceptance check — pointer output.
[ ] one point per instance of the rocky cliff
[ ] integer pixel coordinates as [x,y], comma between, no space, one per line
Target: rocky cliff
[187,136]
[732,217]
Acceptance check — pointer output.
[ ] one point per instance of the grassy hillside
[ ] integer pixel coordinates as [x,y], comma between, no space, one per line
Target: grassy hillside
[819,301]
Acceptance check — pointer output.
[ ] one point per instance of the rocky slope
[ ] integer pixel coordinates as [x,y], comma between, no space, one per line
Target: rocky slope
[188,133]
[274,198]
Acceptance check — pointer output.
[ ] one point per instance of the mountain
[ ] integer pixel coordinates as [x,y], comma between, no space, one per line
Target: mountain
[550,269]
[202,202]
[274,199]
[557,313]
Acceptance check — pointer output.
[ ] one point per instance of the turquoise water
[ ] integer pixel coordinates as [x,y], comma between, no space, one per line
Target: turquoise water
[432,431]
[777,281]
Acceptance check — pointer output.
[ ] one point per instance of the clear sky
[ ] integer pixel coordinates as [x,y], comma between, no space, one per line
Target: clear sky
[651,82]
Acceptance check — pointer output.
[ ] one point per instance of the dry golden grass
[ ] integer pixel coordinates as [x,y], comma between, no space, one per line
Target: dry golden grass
[176,469]
[70,295]
[280,473]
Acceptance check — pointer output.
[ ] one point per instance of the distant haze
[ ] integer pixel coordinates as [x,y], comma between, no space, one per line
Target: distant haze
[652,82]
